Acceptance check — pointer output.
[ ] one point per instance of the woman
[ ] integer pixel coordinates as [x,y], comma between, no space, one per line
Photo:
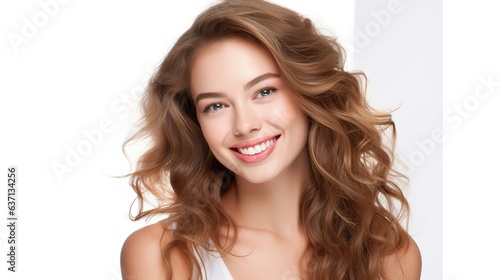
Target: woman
[276,161]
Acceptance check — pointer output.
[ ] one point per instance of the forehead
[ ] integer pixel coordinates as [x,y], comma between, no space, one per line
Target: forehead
[229,63]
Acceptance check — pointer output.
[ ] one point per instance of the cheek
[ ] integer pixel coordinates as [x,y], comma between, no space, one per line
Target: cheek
[288,113]
[207,133]
[212,132]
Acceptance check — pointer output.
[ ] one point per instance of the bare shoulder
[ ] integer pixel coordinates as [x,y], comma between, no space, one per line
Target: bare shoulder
[141,257]
[405,264]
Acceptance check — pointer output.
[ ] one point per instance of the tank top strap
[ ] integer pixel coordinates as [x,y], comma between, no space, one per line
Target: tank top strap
[215,268]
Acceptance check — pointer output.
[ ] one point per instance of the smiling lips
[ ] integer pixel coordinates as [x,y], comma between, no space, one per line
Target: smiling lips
[257,149]
[256,152]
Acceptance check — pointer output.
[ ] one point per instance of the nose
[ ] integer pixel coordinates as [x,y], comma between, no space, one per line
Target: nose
[246,120]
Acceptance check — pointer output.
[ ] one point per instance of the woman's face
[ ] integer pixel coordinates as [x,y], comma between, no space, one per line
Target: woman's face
[246,111]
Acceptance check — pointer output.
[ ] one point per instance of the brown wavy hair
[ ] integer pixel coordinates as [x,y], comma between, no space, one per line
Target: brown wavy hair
[351,208]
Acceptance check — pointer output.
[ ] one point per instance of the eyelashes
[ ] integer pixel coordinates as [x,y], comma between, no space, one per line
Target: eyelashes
[265,92]
[260,94]
[214,107]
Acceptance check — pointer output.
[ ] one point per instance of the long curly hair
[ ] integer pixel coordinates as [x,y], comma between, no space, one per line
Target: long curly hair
[352,206]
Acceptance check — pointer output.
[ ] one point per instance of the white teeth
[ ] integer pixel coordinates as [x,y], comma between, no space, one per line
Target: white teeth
[257,148]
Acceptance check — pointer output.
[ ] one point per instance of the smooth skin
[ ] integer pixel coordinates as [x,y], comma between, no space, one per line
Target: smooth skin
[242,101]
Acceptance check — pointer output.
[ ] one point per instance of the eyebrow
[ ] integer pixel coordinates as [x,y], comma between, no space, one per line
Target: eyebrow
[260,79]
[248,85]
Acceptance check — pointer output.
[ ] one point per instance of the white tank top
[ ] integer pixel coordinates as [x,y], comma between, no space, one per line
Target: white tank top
[215,268]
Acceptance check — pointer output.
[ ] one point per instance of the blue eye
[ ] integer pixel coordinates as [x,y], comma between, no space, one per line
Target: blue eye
[214,107]
[265,92]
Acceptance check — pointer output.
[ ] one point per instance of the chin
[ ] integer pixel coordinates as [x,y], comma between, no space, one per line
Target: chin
[257,177]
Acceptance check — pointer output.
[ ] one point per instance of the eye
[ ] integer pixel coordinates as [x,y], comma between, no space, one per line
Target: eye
[263,93]
[214,107]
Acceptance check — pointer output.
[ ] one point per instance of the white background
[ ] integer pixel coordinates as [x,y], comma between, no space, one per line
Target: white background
[84,65]
[471,185]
